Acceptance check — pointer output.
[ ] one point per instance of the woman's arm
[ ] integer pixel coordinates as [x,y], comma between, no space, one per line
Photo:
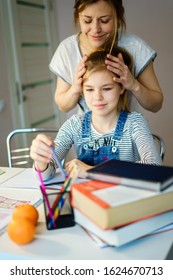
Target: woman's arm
[67,96]
[147,91]
[146,88]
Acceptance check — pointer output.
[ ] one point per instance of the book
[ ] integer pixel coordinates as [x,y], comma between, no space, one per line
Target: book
[10,198]
[153,177]
[110,205]
[169,256]
[123,235]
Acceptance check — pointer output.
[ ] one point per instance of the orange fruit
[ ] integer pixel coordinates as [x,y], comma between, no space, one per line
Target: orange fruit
[26,210]
[21,230]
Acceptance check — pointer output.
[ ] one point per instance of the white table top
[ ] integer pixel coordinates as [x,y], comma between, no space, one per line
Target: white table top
[73,243]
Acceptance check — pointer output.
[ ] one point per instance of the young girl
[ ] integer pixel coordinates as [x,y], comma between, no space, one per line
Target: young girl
[102,24]
[106,131]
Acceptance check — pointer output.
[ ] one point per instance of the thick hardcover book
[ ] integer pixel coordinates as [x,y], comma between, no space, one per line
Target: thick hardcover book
[109,205]
[123,235]
[153,177]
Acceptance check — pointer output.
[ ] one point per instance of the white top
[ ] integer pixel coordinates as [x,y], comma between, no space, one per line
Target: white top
[68,56]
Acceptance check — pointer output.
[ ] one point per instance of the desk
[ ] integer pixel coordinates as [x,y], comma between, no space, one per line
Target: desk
[73,244]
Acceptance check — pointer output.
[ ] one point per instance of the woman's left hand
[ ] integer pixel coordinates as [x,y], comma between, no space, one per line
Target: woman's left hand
[122,73]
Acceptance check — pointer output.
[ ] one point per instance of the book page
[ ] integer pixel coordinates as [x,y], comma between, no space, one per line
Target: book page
[9,199]
[26,179]
[1,171]
[120,195]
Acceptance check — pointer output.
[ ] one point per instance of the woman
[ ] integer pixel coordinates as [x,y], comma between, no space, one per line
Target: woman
[102,24]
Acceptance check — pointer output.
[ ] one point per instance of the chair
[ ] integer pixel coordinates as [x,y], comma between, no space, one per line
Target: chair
[19,141]
[160,144]
[18,145]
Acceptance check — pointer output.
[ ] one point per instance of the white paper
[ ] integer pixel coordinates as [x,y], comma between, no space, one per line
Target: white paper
[26,179]
[120,195]
[9,199]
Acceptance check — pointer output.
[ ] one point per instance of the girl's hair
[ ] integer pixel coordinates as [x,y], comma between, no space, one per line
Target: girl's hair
[96,62]
[117,6]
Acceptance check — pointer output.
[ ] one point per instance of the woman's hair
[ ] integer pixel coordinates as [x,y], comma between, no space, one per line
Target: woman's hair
[96,62]
[117,6]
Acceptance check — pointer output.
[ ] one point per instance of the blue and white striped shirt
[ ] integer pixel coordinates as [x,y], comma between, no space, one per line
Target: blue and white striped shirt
[136,145]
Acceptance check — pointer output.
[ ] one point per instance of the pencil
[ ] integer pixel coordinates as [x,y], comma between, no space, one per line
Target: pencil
[58,161]
[43,189]
[73,173]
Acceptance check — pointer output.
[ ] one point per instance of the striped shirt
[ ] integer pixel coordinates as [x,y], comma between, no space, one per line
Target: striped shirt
[136,145]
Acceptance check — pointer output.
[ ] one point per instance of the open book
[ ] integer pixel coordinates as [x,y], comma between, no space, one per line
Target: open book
[10,198]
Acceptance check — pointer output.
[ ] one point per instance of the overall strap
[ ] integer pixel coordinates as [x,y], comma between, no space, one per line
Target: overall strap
[86,125]
[120,125]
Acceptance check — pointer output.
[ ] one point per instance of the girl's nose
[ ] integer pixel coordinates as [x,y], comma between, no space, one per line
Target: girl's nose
[98,95]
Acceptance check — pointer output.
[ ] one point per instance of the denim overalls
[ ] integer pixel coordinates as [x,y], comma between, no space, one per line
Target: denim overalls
[111,151]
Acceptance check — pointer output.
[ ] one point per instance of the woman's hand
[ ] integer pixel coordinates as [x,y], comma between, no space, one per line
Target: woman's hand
[78,76]
[122,73]
[40,151]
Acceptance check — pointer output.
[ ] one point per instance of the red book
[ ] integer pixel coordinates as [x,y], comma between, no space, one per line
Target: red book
[110,206]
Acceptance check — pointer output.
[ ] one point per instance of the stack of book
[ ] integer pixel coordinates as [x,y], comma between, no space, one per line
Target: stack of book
[119,214]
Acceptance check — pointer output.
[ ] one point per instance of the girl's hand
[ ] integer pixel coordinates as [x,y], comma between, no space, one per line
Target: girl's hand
[122,73]
[78,76]
[82,166]
[40,151]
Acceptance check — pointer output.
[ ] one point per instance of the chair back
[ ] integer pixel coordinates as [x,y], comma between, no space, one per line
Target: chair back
[18,145]
[160,145]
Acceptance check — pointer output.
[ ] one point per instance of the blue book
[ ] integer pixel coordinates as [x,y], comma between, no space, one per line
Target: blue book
[152,177]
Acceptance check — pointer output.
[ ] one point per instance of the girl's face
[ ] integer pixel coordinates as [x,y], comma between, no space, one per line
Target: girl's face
[102,93]
[97,23]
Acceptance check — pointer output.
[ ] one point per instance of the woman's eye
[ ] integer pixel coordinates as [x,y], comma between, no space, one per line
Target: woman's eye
[104,21]
[87,21]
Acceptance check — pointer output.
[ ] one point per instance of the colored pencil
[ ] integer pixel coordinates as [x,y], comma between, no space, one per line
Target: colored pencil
[73,173]
[43,189]
[58,162]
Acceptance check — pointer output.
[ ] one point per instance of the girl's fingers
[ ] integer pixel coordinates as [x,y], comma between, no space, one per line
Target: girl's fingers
[40,148]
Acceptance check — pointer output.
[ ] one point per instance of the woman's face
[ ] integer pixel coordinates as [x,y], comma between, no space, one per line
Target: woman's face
[97,23]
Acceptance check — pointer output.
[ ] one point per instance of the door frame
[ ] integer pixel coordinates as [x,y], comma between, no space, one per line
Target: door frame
[13,62]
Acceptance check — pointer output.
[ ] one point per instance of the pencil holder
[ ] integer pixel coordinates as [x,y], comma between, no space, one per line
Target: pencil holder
[58,210]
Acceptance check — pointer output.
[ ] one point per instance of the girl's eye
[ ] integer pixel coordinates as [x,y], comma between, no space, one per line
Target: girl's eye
[89,89]
[107,88]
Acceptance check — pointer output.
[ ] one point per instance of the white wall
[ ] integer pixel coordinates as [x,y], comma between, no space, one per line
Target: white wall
[153,21]
[5,113]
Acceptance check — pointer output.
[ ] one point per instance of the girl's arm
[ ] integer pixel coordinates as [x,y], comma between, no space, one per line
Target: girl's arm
[144,141]
[40,151]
